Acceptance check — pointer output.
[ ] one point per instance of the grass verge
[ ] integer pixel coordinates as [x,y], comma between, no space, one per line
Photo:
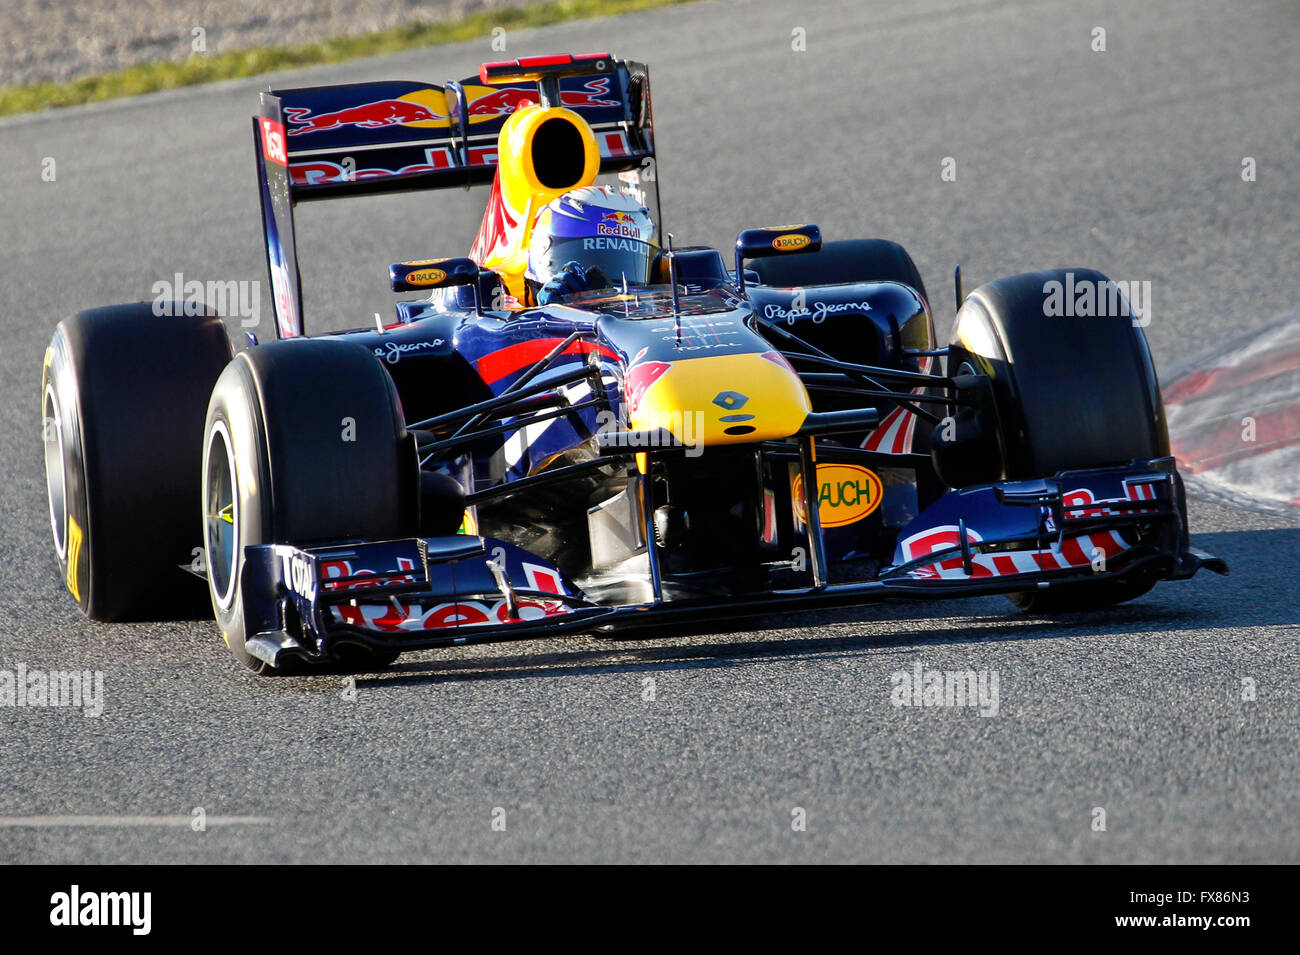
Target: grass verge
[205,68]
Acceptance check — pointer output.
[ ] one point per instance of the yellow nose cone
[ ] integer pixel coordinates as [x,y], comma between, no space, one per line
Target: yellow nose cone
[724,399]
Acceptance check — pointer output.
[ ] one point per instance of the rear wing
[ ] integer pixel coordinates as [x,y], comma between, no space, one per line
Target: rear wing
[326,142]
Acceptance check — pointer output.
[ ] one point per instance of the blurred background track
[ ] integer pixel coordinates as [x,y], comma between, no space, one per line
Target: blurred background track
[65,39]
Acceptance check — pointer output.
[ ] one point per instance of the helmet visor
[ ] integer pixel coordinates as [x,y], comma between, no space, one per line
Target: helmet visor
[616,257]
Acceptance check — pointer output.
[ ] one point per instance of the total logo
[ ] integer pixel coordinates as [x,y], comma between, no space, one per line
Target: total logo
[299,573]
[846,493]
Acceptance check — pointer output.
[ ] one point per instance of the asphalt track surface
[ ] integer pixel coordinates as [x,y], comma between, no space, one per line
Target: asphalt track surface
[1128,161]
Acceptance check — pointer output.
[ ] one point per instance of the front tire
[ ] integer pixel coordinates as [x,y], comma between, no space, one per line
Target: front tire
[304,444]
[1071,392]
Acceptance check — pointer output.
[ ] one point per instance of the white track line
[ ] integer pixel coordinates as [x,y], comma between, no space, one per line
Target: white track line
[118,822]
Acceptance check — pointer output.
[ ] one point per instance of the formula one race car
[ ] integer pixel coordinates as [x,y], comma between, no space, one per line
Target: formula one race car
[581,427]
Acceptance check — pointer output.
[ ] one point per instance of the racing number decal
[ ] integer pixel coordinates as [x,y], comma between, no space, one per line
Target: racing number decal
[846,494]
[74,557]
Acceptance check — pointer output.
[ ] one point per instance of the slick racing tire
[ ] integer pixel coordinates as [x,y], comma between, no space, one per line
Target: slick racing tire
[844,260]
[123,394]
[304,443]
[1071,392]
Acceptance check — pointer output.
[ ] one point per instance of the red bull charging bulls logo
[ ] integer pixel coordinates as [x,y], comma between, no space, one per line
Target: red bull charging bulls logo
[618,223]
[504,101]
[389,112]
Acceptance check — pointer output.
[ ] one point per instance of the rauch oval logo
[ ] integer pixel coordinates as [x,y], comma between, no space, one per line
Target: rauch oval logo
[791,242]
[846,494]
[426,277]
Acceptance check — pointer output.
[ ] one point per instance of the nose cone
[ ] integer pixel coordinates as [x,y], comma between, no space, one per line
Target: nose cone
[724,399]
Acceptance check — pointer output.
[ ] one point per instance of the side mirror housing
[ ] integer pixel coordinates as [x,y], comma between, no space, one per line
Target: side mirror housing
[431,274]
[774,240]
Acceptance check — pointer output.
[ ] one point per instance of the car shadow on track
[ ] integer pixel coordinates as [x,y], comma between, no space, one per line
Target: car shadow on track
[1207,602]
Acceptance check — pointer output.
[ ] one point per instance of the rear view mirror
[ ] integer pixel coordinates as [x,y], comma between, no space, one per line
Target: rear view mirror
[431,274]
[778,240]
[774,240]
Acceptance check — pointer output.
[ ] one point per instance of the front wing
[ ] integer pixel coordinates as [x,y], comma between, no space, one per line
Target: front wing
[420,593]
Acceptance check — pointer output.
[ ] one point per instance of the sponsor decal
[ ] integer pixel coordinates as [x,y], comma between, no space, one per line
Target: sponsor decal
[321,171]
[482,155]
[817,311]
[791,242]
[1134,490]
[332,570]
[273,147]
[495,102]
[1074,553]
[618,223]
[846,493]
[299,574]
[412,109]
[609,244]
[424,277]
[392,352]
[499,102]
[396,616]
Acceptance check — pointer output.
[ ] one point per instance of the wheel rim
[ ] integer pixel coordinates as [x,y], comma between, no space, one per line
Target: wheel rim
[56,482]
[221,516]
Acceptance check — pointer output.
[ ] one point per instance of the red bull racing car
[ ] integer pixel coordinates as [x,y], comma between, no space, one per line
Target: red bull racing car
[581,426]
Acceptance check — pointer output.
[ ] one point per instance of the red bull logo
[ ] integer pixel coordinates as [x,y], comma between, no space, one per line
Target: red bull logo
[502,102]
[618,223]
[505,100]
[388,112]
[590,95]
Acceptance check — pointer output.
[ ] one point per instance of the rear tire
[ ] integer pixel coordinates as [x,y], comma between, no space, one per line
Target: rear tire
[1071,392]
[304,443]
[123,395]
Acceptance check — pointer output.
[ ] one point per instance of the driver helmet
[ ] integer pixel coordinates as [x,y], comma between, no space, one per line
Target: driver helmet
[599,228]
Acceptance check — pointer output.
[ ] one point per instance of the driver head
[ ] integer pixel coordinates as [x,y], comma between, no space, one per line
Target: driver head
[599,228]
